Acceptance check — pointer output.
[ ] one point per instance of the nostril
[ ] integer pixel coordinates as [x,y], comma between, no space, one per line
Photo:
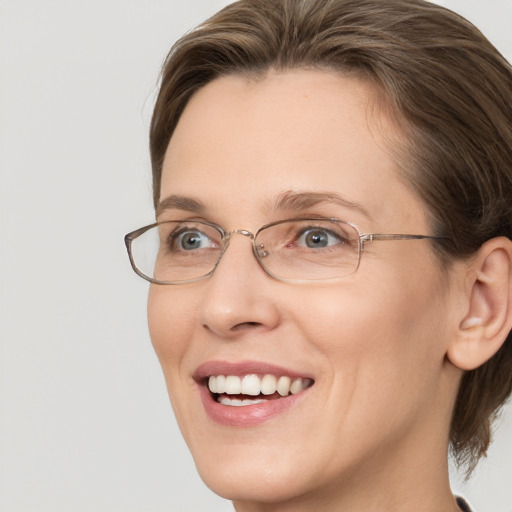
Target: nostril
[237,327]
[244,325]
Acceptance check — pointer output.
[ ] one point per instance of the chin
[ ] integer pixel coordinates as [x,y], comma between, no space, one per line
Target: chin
[256,481]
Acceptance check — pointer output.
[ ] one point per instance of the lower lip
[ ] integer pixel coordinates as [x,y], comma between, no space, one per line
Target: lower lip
[246,415]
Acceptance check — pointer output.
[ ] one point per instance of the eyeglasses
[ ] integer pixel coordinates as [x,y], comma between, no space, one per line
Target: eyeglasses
[293,250]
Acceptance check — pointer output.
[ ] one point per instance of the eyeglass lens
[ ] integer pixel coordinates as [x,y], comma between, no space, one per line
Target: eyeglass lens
[304,249]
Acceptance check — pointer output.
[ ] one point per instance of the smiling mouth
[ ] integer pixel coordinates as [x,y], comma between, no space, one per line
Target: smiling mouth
[252,389]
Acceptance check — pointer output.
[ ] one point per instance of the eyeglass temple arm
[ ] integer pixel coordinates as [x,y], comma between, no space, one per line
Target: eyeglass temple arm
[370,237]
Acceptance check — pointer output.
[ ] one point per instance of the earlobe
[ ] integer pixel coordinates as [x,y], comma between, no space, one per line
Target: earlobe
[487,319]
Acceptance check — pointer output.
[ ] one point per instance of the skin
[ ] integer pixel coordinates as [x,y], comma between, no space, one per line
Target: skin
[372,432]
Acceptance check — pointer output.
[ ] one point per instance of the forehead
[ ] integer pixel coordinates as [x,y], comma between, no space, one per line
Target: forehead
[242,143]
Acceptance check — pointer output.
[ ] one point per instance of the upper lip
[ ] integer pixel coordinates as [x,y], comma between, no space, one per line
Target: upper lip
[242,368]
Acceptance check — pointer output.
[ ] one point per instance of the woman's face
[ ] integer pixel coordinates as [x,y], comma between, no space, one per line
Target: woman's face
[302,143]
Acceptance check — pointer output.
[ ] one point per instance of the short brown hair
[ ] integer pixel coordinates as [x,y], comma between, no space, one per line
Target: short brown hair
[446,85]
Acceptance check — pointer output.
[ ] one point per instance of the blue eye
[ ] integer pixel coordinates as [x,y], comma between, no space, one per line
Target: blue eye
[317,238]
[190,240]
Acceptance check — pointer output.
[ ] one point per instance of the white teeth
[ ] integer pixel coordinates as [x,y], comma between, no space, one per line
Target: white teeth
[283,386]
[252,385]
[297,386]
[252,402]
[236,402]
[212,381]
[220,384]
[233,385]
[268,385]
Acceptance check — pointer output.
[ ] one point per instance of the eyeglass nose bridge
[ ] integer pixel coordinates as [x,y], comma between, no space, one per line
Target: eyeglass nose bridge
[227,237]
[259,252]
[243,232]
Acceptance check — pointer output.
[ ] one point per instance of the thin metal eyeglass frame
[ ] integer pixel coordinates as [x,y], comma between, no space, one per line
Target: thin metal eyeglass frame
[363,238]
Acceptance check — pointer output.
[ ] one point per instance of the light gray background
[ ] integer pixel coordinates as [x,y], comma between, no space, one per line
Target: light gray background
[85,424]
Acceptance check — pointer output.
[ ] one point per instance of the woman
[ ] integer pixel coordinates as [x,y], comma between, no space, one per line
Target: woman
[363,148]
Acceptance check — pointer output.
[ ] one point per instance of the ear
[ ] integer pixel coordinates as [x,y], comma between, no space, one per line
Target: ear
[487,317]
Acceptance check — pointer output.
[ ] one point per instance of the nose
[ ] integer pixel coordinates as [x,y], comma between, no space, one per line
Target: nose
[240,296]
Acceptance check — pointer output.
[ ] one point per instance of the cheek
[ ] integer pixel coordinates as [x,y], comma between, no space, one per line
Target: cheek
[378,343]
[170,322]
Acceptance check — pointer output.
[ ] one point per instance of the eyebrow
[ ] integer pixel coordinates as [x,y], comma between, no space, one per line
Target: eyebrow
[291,200]
[176,202]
